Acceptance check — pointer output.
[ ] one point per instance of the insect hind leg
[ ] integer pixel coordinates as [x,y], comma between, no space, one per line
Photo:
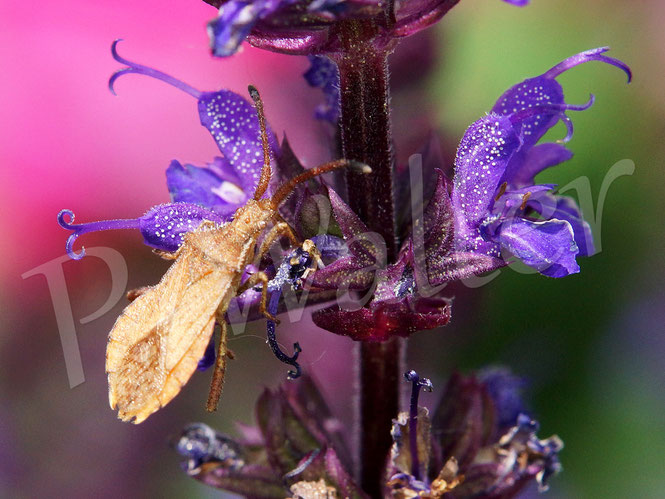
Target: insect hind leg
[218,374]
[253,280]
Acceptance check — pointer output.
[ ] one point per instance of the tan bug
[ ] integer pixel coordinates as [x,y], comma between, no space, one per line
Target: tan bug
[155,345]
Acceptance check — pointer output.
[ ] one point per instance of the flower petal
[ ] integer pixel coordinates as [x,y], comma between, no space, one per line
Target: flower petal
[164,227]
[235,21]
[209,355]
[549,246]
[201,444]
[565,208]
[505,390]
[215,186]
[482,158]
[545,90]
[229,117]
[528,163]
[233,123]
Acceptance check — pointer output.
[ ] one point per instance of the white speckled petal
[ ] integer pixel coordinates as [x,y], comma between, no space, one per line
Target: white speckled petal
[482,157]
[233,123]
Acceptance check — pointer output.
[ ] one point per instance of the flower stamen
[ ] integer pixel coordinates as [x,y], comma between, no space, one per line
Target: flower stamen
[417,383]
[78,229]
[502,191]
[133,67]
[292,270]
[525,198]
[589,55]
[274,346]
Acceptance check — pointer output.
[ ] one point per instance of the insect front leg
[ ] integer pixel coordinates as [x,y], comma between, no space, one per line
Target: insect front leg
[133,294]
[166,255]
[253,280]
[278,230]
[309,246]
[217,382]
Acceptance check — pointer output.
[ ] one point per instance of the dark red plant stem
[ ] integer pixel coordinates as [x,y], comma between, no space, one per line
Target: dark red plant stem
[380,368]
[366,136]
[365,127]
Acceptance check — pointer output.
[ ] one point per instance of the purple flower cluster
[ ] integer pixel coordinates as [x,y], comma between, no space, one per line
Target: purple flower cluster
[480,440]
[468,448]
[212,192]
[497,203]
[495,210]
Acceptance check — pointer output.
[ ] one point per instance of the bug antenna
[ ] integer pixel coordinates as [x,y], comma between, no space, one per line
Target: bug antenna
[285,190]
[266,172]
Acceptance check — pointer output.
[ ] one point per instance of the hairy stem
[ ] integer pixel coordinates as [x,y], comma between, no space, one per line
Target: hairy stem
[366,136]
[365,128]
[380,376]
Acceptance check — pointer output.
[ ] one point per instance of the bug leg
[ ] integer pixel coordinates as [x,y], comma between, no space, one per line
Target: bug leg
[288,231]
[278,230]
[166,255]
[217,382]
[133,294]
[309,246]
[252,281]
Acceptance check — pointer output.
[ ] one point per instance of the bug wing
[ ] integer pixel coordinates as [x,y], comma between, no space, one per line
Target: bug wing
[156,343]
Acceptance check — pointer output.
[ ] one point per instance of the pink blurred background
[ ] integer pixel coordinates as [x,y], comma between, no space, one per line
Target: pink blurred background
[67,142]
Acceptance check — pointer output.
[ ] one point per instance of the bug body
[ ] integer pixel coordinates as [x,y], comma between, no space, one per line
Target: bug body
[155,345]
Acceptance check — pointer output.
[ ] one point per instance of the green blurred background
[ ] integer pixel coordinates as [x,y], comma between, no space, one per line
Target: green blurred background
[591,344]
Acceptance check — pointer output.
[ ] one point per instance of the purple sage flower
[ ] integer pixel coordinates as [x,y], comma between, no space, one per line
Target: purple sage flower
[163,227]
[498,206]
[212,192]
[409,294]
[227,182]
